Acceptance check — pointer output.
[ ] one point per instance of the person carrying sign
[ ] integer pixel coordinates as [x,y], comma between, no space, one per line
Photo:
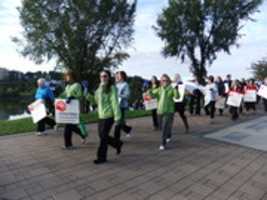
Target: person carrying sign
[180,104]
[238,89]
[166,108]
[250,96]
[45,94]
[106,99]
[73,91]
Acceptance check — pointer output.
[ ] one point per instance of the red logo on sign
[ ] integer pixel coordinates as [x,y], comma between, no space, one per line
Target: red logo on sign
[60,106]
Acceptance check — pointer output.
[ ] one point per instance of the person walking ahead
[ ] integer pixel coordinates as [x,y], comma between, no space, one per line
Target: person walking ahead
[166,108]
[108,109]
[46,95]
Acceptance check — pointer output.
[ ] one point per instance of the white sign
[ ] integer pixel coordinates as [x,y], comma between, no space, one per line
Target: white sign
[220,103]
[250,96]
[150,104]
[263,91]
[37,110]
[190,87]
[181,89]
[67,113]
[234,99]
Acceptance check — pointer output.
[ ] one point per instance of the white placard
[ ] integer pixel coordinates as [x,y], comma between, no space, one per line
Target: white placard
[181,89]
[220,103]
[150,103]
[250,96]
[234,99]
[190,87]
[67,113]
[263,91]
[37,110]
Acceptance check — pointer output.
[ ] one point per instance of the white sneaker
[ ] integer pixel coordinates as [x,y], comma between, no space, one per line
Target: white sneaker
[161,148]
[39,133]
[168,140]
[56,128]
[128,135]
[84,141]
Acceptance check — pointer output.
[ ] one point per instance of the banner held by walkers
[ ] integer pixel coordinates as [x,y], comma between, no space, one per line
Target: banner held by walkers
[263,91]
[150,103]
[67,113]
[235,99]
[250,96]
[37,110]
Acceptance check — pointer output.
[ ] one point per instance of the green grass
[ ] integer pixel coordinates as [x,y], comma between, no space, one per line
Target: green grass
[26,125]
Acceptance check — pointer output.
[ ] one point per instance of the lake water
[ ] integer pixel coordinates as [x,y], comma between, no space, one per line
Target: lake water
[13,108]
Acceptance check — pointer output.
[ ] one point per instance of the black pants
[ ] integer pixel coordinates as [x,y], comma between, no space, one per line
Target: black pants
[155,119]
[195,103]
[265,104]
[122,126]
[210,109]
[234,112]
[69,128]
[250,106]
[104,127]
[41,124]
[180,108]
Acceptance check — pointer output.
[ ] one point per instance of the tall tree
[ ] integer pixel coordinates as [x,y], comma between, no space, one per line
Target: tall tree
[85,36]
[199,29]
[259,69]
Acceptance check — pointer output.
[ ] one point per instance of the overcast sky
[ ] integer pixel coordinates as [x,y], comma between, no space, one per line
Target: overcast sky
[146,59]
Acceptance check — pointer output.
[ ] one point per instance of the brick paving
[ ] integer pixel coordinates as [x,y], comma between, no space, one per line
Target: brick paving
[193,168]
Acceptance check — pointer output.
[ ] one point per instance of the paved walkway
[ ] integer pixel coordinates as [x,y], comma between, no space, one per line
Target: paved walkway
[194,168]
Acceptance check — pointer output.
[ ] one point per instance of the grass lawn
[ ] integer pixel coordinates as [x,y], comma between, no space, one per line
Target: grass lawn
[26,125]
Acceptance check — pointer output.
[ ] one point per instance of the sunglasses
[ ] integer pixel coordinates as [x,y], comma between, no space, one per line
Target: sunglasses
[104,76]
[165,80]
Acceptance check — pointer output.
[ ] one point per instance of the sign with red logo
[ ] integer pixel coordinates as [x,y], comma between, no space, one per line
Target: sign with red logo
[67,113]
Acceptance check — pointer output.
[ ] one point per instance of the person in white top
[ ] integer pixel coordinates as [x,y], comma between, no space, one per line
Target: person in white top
[211,94]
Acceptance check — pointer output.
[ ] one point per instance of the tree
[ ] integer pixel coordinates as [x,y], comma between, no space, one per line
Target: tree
[199,29]
[81,35]
[259,69]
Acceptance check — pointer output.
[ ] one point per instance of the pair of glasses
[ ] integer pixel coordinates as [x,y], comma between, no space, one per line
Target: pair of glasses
[104,76]
[164,80]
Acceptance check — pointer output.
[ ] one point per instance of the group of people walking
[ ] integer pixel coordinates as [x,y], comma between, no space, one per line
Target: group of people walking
[112,102]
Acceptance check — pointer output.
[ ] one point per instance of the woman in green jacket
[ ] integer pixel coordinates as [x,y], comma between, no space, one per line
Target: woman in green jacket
[108,109]
[166,107]
[73,91]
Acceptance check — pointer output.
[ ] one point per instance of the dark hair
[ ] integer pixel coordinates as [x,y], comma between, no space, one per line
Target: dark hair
[156,80]
[71,74]
[211,78]
[123,75]
[110,82]
[167,77]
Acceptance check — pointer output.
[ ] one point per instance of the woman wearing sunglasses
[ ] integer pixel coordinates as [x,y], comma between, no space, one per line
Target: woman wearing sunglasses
[166,107]
[108,108]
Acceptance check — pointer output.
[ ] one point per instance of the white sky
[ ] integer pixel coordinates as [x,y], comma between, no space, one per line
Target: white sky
[146,59]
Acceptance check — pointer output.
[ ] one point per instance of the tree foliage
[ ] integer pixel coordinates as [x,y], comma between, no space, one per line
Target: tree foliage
[259,69]
[85,36]
[199,29]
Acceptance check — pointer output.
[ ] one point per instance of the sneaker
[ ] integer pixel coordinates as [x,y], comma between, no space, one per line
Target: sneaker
[128,135]
[39,133]
[98,162]
[84,141]
[162,148]
[69,148]
[168,140]
[56,128]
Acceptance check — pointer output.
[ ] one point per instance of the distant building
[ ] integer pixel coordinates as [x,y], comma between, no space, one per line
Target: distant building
[4,74]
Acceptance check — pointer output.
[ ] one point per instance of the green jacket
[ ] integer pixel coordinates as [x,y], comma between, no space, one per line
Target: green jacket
[72,90]
[165,96]
[107,103]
